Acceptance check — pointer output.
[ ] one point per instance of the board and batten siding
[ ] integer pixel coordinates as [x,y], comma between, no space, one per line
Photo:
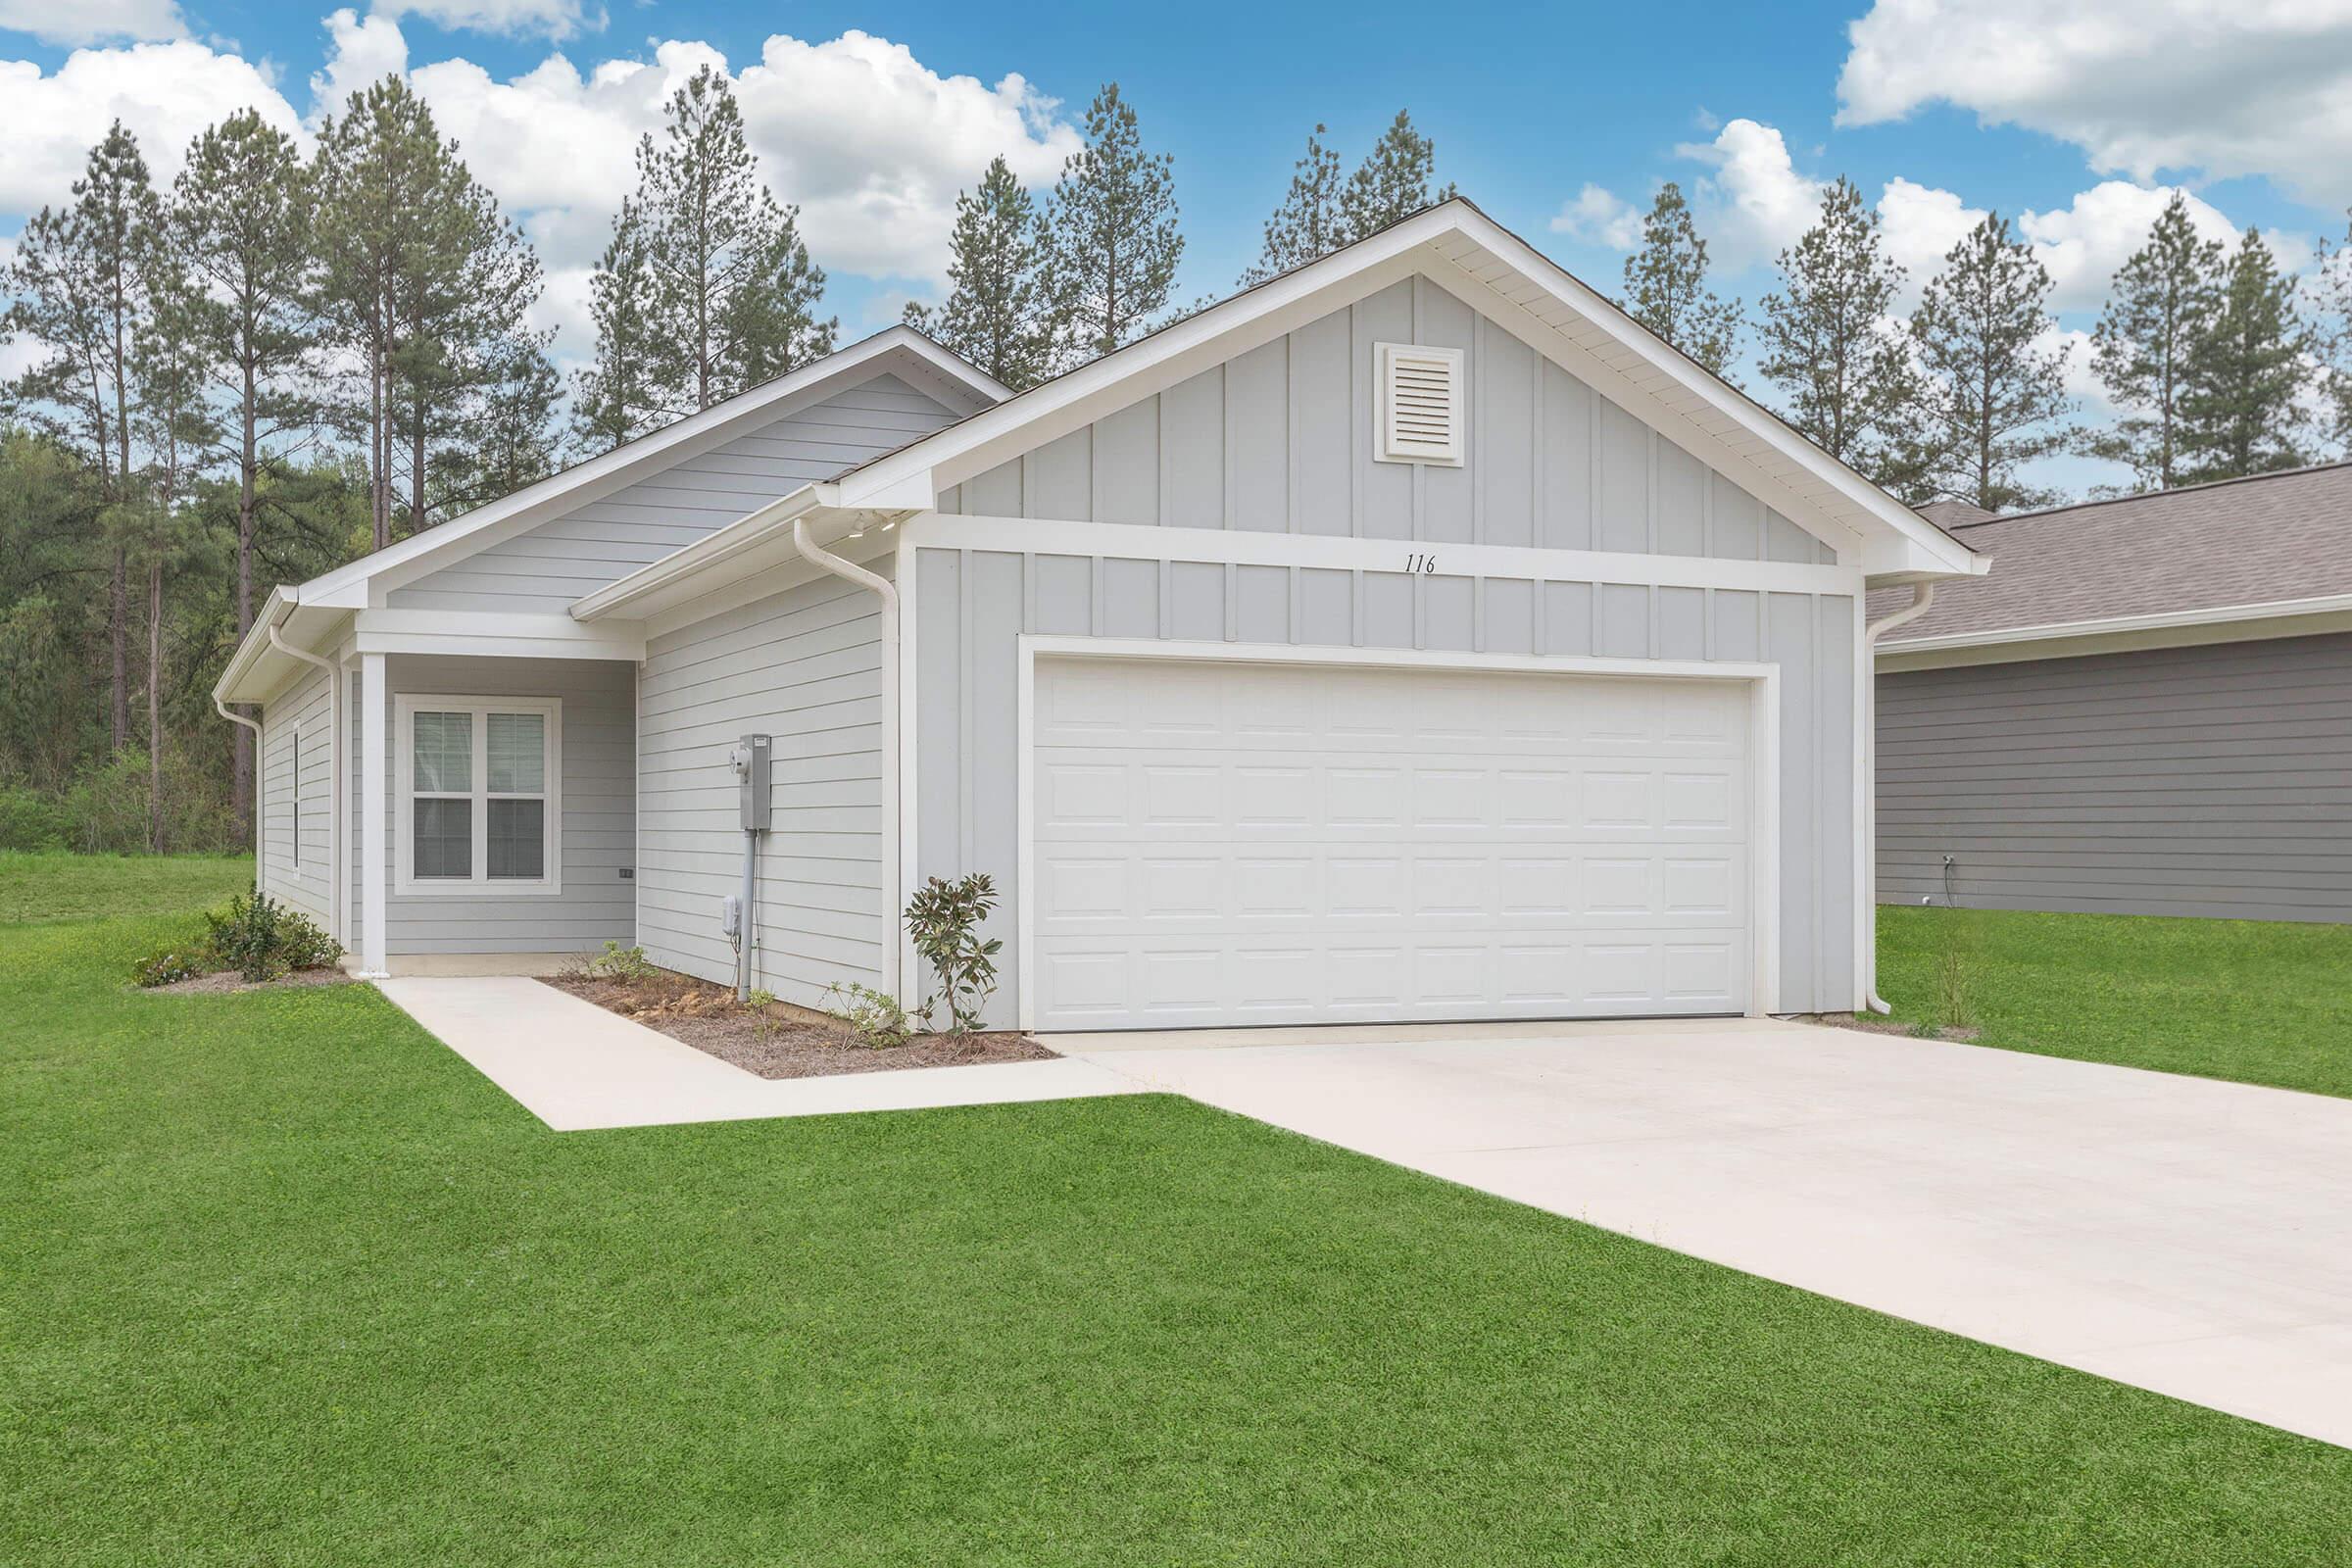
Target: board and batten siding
[804,666]
[543,571]
[596,903]
[2209,781]
[971,606]
[1280,439]
[297,795]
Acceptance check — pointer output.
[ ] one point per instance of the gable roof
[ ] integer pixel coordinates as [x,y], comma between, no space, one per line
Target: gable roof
[2233,549]
[1526,292]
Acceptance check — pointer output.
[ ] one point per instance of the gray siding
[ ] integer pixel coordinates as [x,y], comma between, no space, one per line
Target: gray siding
[1278,439]
[542,571]
[599,768]
[806,666]
[297,796]
[972,605]
[2210,781]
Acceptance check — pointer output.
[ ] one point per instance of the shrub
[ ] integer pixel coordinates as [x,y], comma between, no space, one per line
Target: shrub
[29,822]
[944,919]
[168,965]
[875,1019]
[618,963]
[262,939]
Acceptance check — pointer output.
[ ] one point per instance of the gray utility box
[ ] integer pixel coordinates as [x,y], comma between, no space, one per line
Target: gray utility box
[750,762]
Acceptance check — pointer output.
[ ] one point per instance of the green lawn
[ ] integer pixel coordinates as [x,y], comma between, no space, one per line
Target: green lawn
[82,887]
[2256,1001]
[284,1282]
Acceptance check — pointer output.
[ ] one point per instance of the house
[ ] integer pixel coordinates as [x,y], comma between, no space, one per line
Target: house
[2146,708]
[1412,636]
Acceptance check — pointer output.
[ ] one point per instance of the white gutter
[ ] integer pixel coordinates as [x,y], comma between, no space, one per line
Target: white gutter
[337,741]
[1923,598]
[894,828]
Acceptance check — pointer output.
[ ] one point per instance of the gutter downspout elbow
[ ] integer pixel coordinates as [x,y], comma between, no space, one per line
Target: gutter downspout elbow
[894,834]
[1923,598]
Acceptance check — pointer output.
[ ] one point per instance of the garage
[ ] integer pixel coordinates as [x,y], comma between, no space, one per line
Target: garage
[1223,841]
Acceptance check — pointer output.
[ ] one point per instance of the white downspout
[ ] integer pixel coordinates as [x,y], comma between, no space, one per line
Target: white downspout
[260,837]
[894,829]
[1922,596]
[337,915]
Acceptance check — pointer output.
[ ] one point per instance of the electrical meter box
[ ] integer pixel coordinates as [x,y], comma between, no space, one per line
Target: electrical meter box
[750,760]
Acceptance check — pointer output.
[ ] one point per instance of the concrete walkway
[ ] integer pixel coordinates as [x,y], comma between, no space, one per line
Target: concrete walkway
[576,1066]
[2189,1237]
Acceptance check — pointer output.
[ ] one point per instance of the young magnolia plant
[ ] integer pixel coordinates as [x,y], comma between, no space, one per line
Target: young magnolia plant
[944,919]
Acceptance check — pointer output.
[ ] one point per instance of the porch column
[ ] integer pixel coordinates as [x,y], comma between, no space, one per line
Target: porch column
[376,766]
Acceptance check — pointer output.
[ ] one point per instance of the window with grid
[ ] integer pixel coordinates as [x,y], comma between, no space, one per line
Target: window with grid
[479,807]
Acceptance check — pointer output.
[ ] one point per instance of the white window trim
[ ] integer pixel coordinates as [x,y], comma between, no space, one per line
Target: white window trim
[405,882]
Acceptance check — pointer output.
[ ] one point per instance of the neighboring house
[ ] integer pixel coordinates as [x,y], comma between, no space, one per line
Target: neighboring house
[1410,637]
[2145,709]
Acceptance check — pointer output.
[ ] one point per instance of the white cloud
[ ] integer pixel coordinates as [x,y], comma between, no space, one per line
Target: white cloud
[1599,217]
[1920,223]
[1756,203]
[360,51]
[165,93]
[547,19]
[2083,244]
[94,21]
[2227,87]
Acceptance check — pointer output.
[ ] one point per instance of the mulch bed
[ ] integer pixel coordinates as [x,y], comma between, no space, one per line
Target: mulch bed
[781,1041]
[228,981]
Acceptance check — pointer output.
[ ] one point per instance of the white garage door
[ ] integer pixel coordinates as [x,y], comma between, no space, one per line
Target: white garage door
[1262,842]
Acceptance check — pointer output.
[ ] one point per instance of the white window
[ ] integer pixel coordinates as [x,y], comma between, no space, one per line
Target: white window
[1419,417]
[480,804]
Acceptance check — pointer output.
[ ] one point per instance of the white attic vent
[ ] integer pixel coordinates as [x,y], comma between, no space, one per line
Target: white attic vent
[1419,417]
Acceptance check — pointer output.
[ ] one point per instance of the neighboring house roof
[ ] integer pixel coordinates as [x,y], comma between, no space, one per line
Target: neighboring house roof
[2259,552]
[1950,514]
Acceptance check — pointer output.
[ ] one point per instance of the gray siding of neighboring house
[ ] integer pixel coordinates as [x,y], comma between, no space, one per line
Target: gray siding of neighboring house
[598,762]
[2208,781]
[972,605]
[296,796]
[804,666]
[1279,440]
[542,571]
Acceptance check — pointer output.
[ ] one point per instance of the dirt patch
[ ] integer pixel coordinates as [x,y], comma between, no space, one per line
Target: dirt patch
[1873,1024]
[780,1041]
[228,982]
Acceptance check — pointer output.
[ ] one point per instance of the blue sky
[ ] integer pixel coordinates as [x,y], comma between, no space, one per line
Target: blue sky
[1561,123]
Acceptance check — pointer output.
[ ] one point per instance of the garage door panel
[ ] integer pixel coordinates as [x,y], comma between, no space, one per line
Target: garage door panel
[1233,843]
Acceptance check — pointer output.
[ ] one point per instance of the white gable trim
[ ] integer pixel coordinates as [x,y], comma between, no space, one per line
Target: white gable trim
[2119,634]
[895,350]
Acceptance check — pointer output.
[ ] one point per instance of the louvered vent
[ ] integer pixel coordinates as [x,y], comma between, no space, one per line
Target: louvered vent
[1420,414]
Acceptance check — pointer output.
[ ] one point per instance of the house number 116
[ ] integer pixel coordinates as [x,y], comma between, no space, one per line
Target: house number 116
[1423,564]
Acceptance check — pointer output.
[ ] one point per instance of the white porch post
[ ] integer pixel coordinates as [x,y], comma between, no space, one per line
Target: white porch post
[376,766]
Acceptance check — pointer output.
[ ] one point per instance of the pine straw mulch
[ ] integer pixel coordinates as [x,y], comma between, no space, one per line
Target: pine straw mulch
[227,981]
[781,1039]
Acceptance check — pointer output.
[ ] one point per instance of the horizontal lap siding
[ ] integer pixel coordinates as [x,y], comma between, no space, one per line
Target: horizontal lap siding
[805,666]
[298,795]
[2212,781]
[972,605]
[1278,439]
[596,905]
[542,571]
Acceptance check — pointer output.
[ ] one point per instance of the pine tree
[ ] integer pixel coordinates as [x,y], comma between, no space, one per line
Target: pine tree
[2140,347]
[1393,183]
[239,222]
[1993,395]
[1108,235]
[707,271]
[509,427]
[1308,224]
[2246,374]
[994,312]
[2330,337]
[616,400]
[1843,370]
[1666,285]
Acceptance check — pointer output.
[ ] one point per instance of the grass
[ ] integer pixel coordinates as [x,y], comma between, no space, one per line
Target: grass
[47,885]
[2257,1002]
[284,1282]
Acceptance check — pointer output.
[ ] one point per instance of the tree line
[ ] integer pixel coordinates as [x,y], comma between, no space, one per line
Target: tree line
[284,359]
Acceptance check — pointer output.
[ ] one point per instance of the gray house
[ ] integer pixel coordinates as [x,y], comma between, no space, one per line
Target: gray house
[1410,637]
[2145,709]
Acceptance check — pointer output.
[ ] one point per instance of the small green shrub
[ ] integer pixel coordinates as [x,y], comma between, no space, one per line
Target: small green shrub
[944,919]
[263,939]
[29,822]
[875,1019]
[618,963]
[168,965]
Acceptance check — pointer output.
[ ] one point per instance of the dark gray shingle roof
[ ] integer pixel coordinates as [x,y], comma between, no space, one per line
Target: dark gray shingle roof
[2276,536]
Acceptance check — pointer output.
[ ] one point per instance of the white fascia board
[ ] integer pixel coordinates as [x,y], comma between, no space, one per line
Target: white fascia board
[747,545]
[255,643]
[2181,628]
[365,581]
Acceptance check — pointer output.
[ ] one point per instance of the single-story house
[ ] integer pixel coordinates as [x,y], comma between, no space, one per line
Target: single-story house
[1412,636]
[2145,709]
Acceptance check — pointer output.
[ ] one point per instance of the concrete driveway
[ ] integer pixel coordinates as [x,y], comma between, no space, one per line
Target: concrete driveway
[2189,1237]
